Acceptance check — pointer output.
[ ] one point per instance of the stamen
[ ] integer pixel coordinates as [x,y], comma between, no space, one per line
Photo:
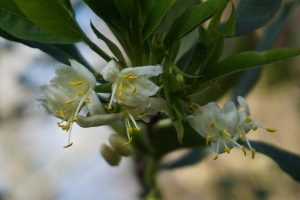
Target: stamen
[216,157]
[80,93]
[226,133]
[76,83]
[254,128]
[271,130]
[68,145]
[213,124]
[128,130]
[226,149]
[87,100]
[70,101]
[60,113]
[243,136]
[253,153]
[238,145]
[248,119]
[137,128]
[112,96]
[131,76]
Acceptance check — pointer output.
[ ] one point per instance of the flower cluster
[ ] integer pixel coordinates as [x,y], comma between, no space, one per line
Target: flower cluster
[68,92]
[223,128]
[73,88]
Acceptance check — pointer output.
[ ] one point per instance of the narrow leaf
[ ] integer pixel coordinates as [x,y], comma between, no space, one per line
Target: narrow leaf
[112,47]
[193,17]
[246,60]
[252,14]
[156,15]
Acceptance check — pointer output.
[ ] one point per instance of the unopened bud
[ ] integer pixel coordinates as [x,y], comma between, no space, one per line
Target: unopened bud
[111,157]
[118,144]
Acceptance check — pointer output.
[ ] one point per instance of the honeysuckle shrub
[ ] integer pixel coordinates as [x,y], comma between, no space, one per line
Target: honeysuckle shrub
[160,91]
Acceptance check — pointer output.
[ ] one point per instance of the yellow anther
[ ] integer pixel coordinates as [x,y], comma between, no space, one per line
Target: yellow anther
[130,130]
[131,76]
[248,119]
[227,150]
[213,124]
[216,157]
[60,113]
[69,101]
[253,153]
[128,142]
[133,90]
[226,133]
[76,83]
[254,128]
[137,129]
[244,150]
[243,136]
[68,145]
[271,130]
[87,100]
[207,140]
[143,114]
[80,93]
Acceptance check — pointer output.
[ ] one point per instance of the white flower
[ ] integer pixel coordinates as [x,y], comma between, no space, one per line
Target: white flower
[68,92]
[219,127]
[131,86]
[246,123]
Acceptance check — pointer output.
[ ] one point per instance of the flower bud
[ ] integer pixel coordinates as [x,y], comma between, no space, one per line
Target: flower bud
[111,157]
[118,144]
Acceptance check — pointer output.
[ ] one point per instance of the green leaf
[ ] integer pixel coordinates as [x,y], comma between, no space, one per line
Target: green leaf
[155,16]
[249,59]
[112,47]
[23,28]
[287,161]
[192,18]
[125,7]
[252,14]
[55,16]
[250,78]
[179,129]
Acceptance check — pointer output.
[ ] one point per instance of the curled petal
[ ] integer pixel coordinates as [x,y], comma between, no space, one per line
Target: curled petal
[110,72]
[244,105]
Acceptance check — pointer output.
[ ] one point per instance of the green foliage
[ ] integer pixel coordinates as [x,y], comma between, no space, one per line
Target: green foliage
[253,14]
[55,16]
[22,27]
[245,60]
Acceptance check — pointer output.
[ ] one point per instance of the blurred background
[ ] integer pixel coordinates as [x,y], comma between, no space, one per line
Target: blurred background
[34,165]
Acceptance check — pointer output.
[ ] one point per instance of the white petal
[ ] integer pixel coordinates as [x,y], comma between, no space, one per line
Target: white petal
[95,106]
[145,71]
[197,125]
[110,72]
[84,73]
[230,117]
[244,105]
[213,111]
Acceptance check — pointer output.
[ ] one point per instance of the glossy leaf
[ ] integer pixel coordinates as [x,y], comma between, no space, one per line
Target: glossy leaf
[55,16]
[253,14]
[155,16]
[192,18]
[246,60]
[250,78]
[287,161]
[22,27]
